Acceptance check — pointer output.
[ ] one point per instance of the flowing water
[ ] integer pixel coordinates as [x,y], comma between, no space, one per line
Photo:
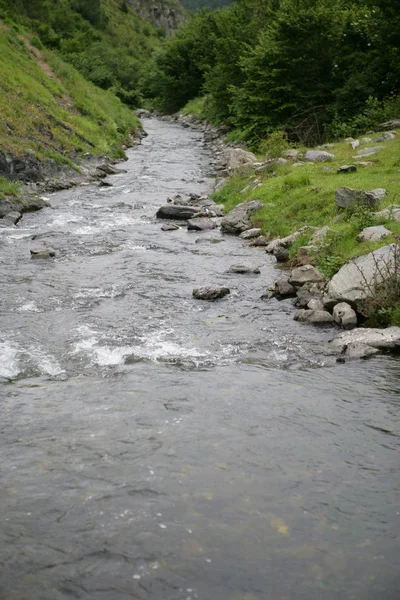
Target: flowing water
[158,447]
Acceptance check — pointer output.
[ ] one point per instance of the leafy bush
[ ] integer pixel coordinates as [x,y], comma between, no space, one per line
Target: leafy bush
[275,144]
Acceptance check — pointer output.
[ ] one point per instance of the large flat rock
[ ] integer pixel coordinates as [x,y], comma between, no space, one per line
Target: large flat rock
[174,211]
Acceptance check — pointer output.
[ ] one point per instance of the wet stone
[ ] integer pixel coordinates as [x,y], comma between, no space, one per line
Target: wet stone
[212,292]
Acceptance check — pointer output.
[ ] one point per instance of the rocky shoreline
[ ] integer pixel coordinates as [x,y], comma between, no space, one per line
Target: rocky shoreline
[37,177]
[320,301]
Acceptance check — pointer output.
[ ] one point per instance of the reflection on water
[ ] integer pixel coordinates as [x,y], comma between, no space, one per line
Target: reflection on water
[153,446]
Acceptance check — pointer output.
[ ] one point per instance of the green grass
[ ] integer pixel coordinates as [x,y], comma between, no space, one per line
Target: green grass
[195,107]
[9,189]
[34,102]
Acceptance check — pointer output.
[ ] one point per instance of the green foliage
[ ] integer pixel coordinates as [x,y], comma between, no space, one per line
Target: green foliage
[275,144]
[8,188]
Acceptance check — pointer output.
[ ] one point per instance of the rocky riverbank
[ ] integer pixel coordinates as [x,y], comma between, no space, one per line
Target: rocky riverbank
[342,298]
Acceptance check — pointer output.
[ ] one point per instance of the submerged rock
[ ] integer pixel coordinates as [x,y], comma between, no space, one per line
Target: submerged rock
[201,224]
[211,292]
[43,253]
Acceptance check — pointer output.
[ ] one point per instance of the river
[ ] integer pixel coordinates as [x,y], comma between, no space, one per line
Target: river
[158,447]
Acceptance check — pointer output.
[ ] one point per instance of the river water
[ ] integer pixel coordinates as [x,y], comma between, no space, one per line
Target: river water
[158,447]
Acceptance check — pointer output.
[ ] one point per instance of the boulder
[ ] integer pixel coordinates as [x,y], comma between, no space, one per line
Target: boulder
[43,253]
[373,234]
[380,339]
[282,288]
[201,224]
[250,233]
[243,268]
[355,351]
[313,316]
[261,241]
[281,254]
[240,161]
[5,208]
[315,304]
[11,218]
[305,274]
[347,169]
[34,203]
[239,218]
[318,156]
[292,154]
[369,151]
[212,292]
[393,124]
[391,213]
[345,197]
[308,292]
[357,279]
[344,315]
[174,211]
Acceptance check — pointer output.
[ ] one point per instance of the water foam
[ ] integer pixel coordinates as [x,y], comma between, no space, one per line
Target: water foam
[9,368]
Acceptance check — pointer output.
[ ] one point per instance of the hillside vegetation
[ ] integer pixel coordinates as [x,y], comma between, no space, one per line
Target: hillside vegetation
[317,69]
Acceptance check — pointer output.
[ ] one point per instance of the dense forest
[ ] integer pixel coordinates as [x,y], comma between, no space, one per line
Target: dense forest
[315,68]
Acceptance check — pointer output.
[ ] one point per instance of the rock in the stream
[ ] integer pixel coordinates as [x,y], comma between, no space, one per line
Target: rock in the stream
[282,288]
[373,234]
[356,280]
[239,218]
[201,224]
[344,315]
[211,292]
[11,218]
[315,304]
[281,254]
[308,292]
[345,197]
[174,211]
[313,316]
[243,268]
[361,343]
[43,253]
[305,274]
[169,227]
[318,155]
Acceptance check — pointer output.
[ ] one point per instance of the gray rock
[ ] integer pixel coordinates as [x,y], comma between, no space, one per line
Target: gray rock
[5,208]
[308,292]
[243,268]
[381,339]
[345,197]
[43,253]
[250,233]
[212,292]
[201,224]
[318,155]
[287,241]
[373,234]
[369,151]
[142,113]
[344,315]
[356,351]
[347,169]
[319,235]
[354,144]
[169,227]
[281,254]
[313,316]
[306,255]
[391,213]
[239,219]
[315,304]
[173,211]
[240,161]
[393,124]
[282,288]
[292,153]
[305,274]
[11,218]
[357,279]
